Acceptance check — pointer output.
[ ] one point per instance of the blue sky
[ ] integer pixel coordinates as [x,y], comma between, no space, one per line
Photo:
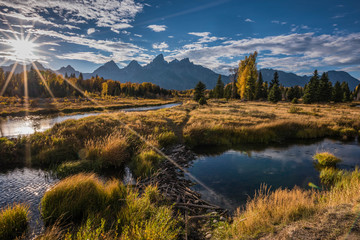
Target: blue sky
[294,36]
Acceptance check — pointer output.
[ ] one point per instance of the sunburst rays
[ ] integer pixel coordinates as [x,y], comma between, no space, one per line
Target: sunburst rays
[26,104]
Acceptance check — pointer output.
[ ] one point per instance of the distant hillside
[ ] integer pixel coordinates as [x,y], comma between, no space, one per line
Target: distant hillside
[291,79]
[179,75]
[20,68]
[69,70]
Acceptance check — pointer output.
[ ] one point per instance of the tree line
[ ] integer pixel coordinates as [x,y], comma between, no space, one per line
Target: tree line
[64,88]
[248,84]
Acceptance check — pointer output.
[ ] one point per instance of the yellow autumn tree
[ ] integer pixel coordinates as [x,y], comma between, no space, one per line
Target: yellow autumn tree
[246,76]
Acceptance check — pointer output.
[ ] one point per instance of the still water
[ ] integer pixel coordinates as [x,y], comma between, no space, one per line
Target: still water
[13,127]
[27,186]
[236,174]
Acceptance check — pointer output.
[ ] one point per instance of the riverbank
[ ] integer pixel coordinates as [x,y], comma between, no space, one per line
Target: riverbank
[14,107]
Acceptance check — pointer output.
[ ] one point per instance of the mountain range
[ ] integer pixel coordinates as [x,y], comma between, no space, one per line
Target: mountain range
[182,75]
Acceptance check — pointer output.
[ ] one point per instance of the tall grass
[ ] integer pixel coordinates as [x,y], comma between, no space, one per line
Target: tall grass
[107,211]
[145,163]
[79,197]
[13,221]
[268,210]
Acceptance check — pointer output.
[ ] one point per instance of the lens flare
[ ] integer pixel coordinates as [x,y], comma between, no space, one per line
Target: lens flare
[23,49]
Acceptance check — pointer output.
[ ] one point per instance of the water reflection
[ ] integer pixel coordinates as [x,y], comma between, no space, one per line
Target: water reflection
[13,127]
[237,173]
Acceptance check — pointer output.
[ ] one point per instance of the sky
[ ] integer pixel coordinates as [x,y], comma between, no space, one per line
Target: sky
[293,36]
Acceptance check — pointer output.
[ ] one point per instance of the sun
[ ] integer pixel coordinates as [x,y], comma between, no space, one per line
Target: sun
[23,50]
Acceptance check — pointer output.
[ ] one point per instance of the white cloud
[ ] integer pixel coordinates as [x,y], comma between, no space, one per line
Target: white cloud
[205,37]
[115,14]
[90,31]
[170,36]
[249,20]
[293,52]
[119,50]
[138,35]
[157,28]
[161,46]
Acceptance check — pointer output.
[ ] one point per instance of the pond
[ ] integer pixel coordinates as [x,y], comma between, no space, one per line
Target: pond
[236,174]
[13,127]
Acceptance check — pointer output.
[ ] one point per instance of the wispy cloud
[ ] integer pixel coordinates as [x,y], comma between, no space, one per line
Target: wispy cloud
[249,20]
[161,46]
[278,22]
[157,28]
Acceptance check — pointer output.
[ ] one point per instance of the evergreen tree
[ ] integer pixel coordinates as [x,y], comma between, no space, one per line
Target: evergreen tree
[219,88]
[311,93]
[337,94]
[259,90]
[274,94]
[325,88]
[274,90]
[228,91]
[199,91]
[81,77]
[266,90]
[346,92]
[275,80]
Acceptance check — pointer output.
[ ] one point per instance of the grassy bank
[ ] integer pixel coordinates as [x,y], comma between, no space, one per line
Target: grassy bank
[111,210]
[11,106]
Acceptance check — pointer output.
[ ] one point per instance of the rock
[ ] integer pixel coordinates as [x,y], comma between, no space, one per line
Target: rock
[215,221]
[208,236]
[222,218]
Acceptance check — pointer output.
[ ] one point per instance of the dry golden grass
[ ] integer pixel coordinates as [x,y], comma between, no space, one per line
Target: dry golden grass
[236,122]
[14,106]
[268,210]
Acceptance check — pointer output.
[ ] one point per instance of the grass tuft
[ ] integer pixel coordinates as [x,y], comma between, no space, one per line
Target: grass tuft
[326,159]
[13,221]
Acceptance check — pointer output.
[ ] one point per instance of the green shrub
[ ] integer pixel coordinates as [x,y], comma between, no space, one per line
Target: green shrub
[82,166]
[13,221]
[326,159]
[294,109]
[167,139]
[202,101]
[78,197]
[145,163]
